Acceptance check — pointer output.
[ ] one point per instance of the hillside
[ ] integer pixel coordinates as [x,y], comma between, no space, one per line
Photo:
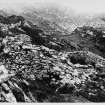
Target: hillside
[41,61]
[63,20]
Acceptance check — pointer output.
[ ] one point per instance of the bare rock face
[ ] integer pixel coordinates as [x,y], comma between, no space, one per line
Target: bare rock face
[4,75]
[34,72]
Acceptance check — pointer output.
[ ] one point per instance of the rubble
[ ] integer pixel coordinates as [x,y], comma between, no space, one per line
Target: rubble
[35,72]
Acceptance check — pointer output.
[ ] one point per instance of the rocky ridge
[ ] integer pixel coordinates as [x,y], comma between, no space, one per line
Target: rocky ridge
[33,69]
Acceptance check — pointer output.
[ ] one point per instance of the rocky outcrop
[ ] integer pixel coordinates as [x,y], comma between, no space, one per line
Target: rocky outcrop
[33,69]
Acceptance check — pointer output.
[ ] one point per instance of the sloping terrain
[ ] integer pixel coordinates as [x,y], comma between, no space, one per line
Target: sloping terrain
[35,67]
[54,19]
[90,38]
